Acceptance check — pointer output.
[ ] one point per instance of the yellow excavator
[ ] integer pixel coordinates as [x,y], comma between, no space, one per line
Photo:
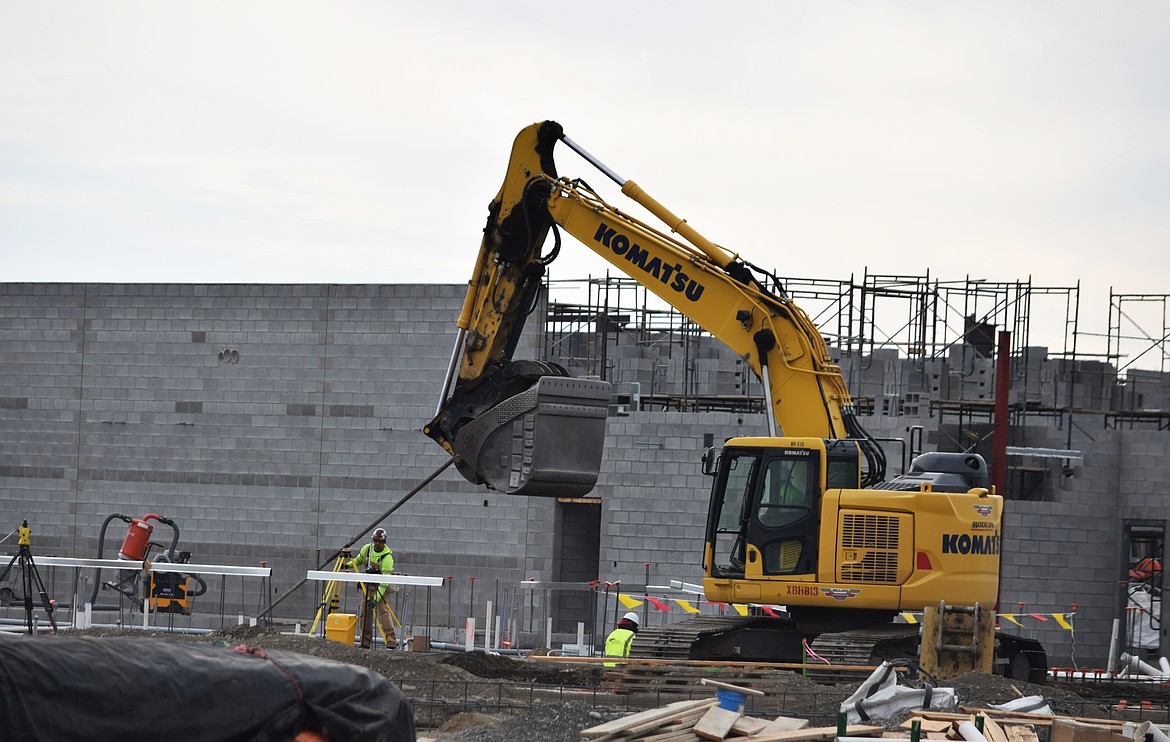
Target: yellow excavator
[801,518]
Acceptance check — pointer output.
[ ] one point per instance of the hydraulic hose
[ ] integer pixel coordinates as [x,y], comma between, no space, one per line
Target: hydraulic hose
[875,457]
[174,537]
[97,578]
[202,587]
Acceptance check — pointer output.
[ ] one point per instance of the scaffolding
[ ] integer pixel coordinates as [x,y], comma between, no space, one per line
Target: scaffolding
[622,333]
[1138,332]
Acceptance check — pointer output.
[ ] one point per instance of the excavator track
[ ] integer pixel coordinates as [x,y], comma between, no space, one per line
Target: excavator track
[766,639]
[867,646]
[699,638]
[861,647]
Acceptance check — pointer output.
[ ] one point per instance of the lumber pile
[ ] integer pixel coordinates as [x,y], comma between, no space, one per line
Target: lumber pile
[714,719]
[706,719]
[942,725]
[1010,726]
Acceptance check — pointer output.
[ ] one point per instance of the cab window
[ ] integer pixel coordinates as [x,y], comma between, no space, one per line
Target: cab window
[789,492]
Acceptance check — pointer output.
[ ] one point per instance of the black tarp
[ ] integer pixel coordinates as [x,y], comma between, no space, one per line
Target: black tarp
[129,689]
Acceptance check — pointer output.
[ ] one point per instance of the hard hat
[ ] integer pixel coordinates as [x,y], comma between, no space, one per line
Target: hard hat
[632,618]
[380,533]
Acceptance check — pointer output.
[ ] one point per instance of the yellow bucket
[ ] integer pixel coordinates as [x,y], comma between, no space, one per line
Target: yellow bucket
[341,627]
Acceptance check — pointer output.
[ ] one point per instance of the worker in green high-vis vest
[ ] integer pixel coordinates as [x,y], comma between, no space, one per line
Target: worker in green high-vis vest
[376,558]
[617,644]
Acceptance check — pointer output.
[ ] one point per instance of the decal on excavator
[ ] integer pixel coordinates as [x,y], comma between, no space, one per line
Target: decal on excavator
[636,255]
[840,593]
[965,543]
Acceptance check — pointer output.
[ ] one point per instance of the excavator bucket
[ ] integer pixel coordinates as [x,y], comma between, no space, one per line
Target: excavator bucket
[546,440]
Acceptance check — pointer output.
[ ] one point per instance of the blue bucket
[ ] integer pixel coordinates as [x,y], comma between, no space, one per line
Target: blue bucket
[730,699]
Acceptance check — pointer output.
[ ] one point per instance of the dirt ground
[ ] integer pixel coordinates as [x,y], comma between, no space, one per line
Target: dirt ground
[473,696]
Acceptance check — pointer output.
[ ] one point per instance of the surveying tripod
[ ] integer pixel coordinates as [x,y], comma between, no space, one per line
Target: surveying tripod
[331,600]
[369,610]
[31,576]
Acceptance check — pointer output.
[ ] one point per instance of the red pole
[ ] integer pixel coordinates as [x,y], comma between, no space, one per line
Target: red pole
[999,441]
[646,605]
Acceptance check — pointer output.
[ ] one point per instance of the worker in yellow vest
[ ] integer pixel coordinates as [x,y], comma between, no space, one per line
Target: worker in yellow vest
[376,557]
[617,644]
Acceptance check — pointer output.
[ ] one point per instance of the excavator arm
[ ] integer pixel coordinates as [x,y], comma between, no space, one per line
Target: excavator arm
[723,294]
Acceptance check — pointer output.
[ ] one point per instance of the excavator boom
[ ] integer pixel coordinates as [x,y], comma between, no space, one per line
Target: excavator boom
[711,285]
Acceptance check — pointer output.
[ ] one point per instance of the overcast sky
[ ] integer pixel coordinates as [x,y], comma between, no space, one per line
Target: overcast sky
[357,142]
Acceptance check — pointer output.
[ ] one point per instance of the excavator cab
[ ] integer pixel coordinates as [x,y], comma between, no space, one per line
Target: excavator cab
[765,511]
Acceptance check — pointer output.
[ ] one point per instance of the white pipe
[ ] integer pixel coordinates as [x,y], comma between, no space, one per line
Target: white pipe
[487,627]
[1156,734]
[1165,665]
[448,646]
[1135,664]
[1113,639]
[971,733]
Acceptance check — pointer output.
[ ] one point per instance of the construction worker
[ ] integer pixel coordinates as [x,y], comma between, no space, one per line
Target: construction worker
[1145,569]
[617,644]
[376,558]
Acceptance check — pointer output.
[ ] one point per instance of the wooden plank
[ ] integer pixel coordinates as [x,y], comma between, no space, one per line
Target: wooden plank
[673,724]
[683,736]
[746,726]
[1019,733]
[785,724]
[615,737]
[683,722]
[716,723]
[929,725]
[1001,714]
[1011,717]
[729,686]
[817,734]
[662,714]
[993,731]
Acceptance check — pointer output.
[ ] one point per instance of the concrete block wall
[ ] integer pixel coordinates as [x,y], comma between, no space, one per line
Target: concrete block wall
[273,423]
[1066,551]
[1147,390]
